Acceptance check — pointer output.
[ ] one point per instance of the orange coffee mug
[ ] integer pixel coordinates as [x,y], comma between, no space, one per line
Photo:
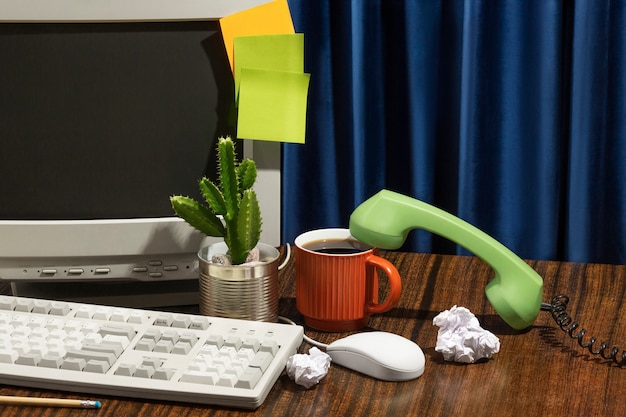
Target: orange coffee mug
[337,280]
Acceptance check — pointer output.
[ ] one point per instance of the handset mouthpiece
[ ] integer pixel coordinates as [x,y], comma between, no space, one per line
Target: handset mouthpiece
[374,222]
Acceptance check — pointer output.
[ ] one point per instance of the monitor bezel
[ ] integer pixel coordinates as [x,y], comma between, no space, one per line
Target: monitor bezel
[39,250]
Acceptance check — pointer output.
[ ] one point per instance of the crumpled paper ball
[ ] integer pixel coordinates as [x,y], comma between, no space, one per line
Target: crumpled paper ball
[308,369]
[461,339]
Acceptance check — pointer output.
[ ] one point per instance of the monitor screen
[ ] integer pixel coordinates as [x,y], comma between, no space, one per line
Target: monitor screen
[100,123]
[105,120]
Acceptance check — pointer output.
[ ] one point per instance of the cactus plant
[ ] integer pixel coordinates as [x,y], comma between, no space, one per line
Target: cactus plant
[233,199]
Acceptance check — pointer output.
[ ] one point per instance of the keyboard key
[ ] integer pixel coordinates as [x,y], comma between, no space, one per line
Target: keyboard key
[74,336]
[164,320]
[199,377]
[84,312]
[262,361]
[29,358]
[57,334]
[126,369]
[20,346]
[251,343]
[38,346]
[41,307]
[180,321]
[115,330]
[164,374]
[93,338]
[239,365]
[59,309]
[246,353]
[190,338]
[145,345]
[197,365]
[97,366]
[51,361]
[39,331]
[153,334]
[222,362]
[233,341]
[209,350]
[144,371]
[72,326]
[269,346]
[8,356]
[7,303]
[215,339]
[199,323]
[23,331]
[20,320]
[164,346]
[24,305]
[112,339]
[181,348]
[102,313]
[89,328]
[216,368]
[56,350]
[171,335]
[249,378]
[54,324]
[120,315]
[227,380]
[227,351]
[74,364]
[152,362]
[136,317]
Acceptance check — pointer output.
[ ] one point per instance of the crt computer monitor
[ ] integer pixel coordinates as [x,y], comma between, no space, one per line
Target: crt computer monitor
[100,122]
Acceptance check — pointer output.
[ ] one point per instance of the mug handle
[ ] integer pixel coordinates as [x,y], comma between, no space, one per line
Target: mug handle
[395,286]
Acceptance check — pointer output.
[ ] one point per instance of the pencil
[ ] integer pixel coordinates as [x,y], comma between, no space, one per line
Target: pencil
[48,402]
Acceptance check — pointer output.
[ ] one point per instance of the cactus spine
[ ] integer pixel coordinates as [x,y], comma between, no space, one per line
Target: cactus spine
[234,200]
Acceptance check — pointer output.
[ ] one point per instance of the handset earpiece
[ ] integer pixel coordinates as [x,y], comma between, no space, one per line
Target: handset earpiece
[385,219]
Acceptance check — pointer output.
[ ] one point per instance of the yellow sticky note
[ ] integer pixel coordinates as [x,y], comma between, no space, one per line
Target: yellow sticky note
[267,19]
[271,52]
[272,105]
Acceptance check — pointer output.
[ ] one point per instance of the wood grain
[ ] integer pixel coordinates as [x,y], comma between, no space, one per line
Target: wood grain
[539,371]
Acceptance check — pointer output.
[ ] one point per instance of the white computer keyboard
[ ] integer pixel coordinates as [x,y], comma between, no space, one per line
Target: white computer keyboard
[140,353]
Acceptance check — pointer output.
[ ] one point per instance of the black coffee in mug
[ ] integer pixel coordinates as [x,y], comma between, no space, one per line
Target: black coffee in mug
[337,246]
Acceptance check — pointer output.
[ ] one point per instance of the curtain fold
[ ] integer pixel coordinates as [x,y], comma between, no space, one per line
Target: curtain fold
[509,114]
[596,199]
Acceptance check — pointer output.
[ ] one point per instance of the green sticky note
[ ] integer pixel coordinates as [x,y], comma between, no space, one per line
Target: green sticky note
[272,105]
[283,52]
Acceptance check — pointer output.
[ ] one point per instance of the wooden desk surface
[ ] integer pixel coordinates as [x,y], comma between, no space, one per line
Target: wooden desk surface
[538,372]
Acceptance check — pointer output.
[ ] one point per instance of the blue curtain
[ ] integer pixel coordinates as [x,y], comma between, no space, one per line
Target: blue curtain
[508,114]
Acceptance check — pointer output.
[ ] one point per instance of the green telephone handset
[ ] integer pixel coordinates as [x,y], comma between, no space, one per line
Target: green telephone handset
[385,219]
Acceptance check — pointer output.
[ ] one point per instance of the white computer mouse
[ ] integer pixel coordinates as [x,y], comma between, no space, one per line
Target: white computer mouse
[382,355]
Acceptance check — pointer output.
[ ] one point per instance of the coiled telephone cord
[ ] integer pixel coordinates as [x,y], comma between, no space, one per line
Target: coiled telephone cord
[559,313]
